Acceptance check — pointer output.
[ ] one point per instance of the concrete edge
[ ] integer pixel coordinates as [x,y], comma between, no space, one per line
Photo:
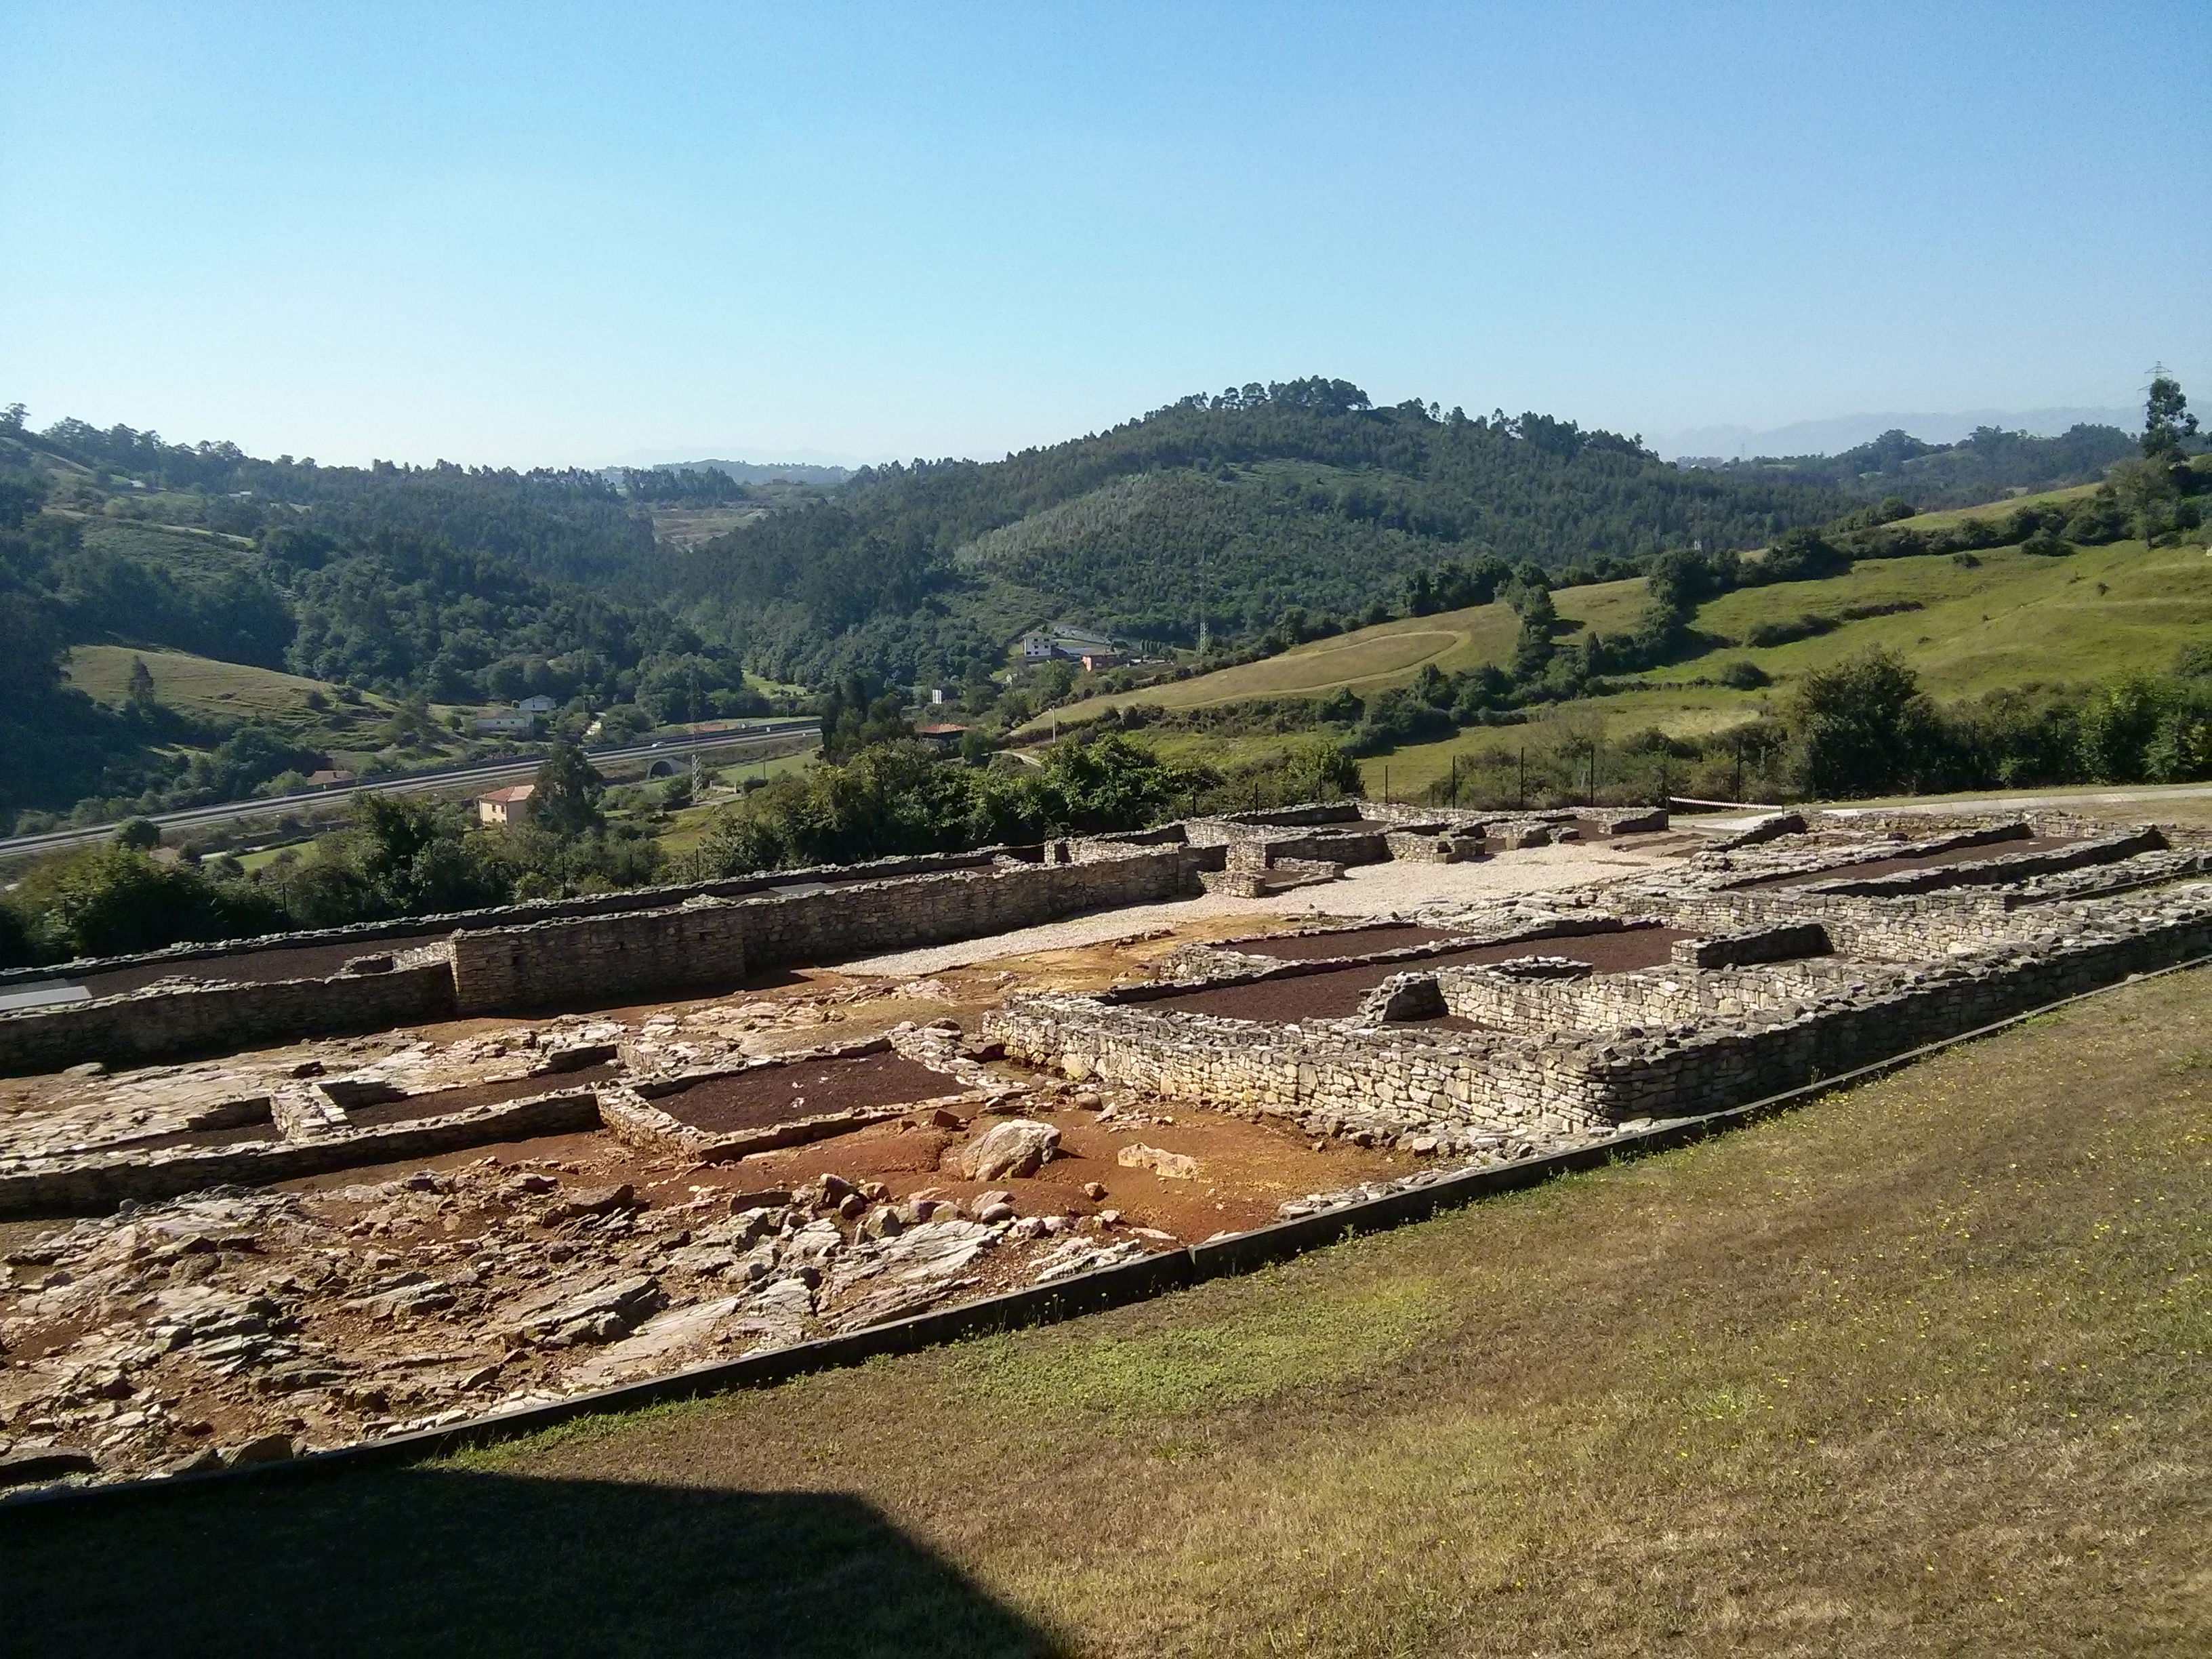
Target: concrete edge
[1095,1292]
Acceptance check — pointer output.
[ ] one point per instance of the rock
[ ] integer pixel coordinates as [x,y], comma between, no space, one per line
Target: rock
[937,1118]
[990,1213]
[1015,1148]
[26,1465]
[983,1053]
[205,1461]
[1170,1166]
[1090,1100]
[834,1189]
[264,1448]
[885,1222]
[768,1197]
[852,1206]
[596,1200]
[1093,1189]
[86,1068]
[306,1068]
[378,963]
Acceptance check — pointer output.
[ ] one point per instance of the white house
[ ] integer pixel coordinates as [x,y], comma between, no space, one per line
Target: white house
[505,806]
[540,704]
[1043,644]
[512,722]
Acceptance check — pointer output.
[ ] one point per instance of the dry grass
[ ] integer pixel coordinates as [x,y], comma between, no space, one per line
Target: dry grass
[200,684]
[1918,1370]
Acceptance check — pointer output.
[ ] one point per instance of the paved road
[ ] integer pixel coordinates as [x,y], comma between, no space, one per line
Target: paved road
[488,776]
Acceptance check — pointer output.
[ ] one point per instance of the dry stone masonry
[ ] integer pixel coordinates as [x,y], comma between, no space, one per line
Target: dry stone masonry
[285,1207]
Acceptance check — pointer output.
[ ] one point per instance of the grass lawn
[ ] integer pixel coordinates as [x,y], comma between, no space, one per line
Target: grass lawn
[1918,1370]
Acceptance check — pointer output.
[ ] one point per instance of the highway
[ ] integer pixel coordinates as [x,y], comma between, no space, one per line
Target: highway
[491,775]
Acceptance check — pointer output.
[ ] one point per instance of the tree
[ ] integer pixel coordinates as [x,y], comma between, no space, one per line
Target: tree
[1862,727]
[564,796]
[138,836]
[140,698]
[2167,422]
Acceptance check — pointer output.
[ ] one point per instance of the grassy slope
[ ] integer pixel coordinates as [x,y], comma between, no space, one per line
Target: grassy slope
[1917,1370]
[200,685]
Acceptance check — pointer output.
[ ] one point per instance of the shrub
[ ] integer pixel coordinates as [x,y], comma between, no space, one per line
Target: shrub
[1744,675]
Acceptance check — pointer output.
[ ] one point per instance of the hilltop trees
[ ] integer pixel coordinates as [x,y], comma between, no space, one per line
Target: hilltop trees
[2168,423]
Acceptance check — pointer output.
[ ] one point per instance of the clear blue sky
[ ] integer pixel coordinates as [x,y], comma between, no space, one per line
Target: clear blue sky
[518,234]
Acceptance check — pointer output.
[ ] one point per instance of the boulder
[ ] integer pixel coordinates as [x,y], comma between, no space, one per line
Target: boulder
[1018,1147]
[595,1200]
[262,1449]
[27,1464]
[1172,1166]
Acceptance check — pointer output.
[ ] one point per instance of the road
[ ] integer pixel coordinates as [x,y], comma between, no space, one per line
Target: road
[490,777]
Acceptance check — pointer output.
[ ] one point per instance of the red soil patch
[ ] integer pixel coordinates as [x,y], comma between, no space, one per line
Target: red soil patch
[261,967]
[1994,850]
[1245,1170]
[444,1103]
[769,1095]
[1336,995]
[1345,942]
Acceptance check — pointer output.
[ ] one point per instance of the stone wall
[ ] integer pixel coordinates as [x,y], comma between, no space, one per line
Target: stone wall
[582,960]
[523,914]
[94,1184]
[1605,1048]
[155,1023]
[1781,942]
[576,964]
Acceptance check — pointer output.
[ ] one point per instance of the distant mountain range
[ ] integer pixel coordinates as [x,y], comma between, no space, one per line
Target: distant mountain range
[1841,432]
[747,471]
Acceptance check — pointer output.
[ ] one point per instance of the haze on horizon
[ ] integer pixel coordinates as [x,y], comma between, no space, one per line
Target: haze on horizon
[602,234]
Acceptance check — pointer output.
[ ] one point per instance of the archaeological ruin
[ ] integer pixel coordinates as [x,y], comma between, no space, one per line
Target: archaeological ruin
[308,1193]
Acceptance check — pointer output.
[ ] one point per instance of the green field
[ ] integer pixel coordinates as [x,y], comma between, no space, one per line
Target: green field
[199,685]
[1919,1370]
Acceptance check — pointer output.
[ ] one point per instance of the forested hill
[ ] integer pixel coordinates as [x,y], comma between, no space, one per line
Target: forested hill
[1985,466]
[467,587]
[566,523]
[1240,506]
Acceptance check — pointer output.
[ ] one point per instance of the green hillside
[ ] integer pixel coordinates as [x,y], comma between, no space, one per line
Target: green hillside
[1240,509]
[200,685]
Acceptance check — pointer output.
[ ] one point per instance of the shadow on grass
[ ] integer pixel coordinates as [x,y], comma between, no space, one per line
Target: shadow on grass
[441,1561]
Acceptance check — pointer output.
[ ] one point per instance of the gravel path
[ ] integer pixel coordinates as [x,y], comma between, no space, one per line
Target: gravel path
[1370,890]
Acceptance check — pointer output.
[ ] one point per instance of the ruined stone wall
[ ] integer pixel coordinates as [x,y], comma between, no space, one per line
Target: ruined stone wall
[578,961]
[573,962]
[1325,1076]
[93,1185]
[522,914]
[926,910]
[1796,1023]
[153,1022]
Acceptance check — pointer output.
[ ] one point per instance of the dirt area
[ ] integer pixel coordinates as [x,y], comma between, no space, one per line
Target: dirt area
[769,1095]
[300,961]
[444,1103]
[1347,942]
[1995,849]
[1336,995]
